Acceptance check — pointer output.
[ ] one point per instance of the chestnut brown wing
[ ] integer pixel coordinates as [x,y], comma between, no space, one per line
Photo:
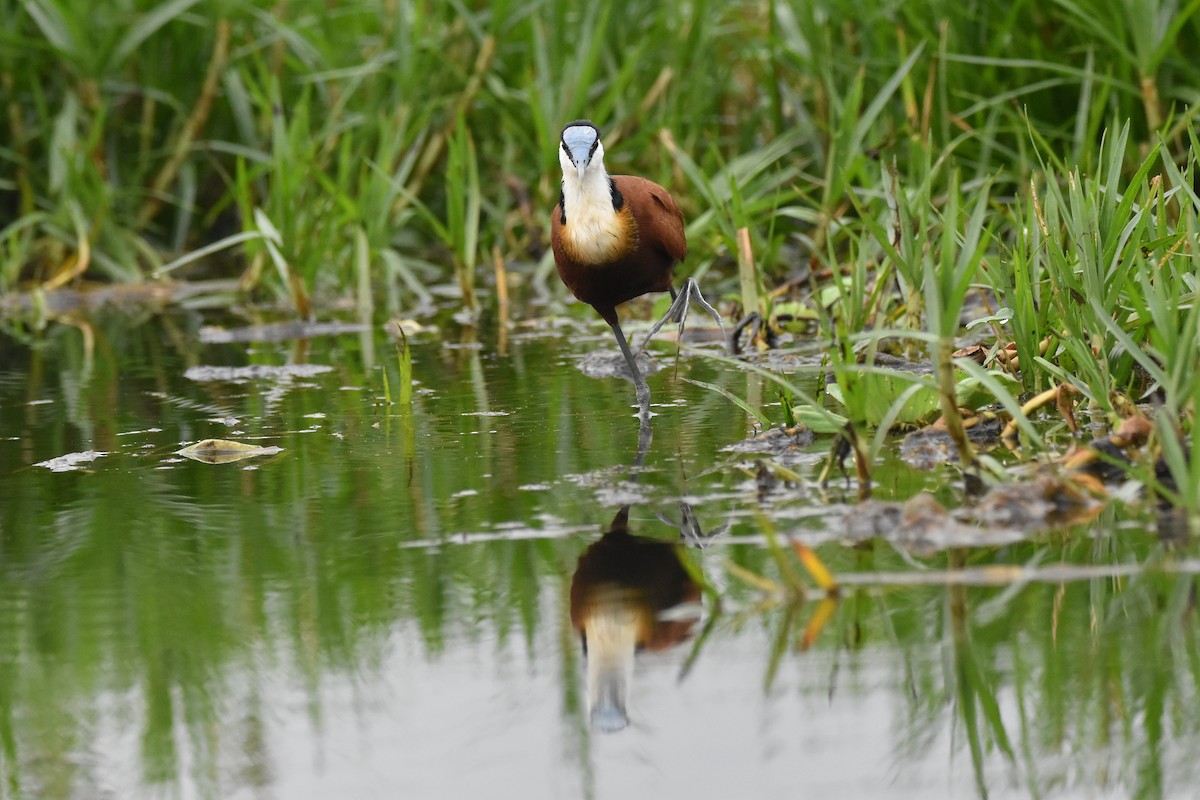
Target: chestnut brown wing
[659,220]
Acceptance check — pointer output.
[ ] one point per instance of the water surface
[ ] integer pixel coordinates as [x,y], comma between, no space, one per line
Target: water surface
[382,607]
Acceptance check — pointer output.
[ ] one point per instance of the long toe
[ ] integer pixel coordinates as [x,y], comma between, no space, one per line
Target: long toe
[693,288]
[677,313]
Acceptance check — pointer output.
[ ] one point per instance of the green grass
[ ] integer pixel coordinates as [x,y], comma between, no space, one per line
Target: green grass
[152,130]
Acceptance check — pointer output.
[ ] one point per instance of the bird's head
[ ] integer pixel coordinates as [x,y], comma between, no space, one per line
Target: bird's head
[580,151]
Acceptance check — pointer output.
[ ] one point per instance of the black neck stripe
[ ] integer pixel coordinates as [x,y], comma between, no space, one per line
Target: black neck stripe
[618,200]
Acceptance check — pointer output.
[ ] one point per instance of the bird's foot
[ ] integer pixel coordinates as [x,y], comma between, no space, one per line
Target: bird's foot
[689,527]
[677,313]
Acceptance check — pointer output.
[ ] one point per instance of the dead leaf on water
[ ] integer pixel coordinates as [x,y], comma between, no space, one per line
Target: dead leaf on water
[224,451]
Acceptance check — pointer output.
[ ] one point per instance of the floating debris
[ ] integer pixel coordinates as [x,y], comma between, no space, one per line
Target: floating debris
[1006,514]
[776,441]
[1047,501]
[932,445]
[71,461]
[203,374]
[224,451]
[921,525]
[278,332]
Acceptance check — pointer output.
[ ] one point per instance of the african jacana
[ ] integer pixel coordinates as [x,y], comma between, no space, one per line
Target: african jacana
[629,593]
[617,237]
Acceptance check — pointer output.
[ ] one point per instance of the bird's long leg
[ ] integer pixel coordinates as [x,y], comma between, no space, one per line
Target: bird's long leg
[690,293]
[640,386]
[645,436]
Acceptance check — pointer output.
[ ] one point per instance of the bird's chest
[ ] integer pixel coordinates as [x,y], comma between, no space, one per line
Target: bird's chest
[596,235]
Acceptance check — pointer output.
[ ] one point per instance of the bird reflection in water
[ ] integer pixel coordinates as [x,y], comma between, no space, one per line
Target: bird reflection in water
[632,593]
[629,593]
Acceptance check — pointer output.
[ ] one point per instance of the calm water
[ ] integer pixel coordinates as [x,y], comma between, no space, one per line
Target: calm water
[384,607]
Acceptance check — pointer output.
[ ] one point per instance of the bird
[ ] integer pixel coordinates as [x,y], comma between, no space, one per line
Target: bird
[617,237]
[628,594]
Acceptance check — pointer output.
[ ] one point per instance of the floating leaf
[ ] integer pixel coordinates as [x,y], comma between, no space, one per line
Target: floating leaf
[224,451]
